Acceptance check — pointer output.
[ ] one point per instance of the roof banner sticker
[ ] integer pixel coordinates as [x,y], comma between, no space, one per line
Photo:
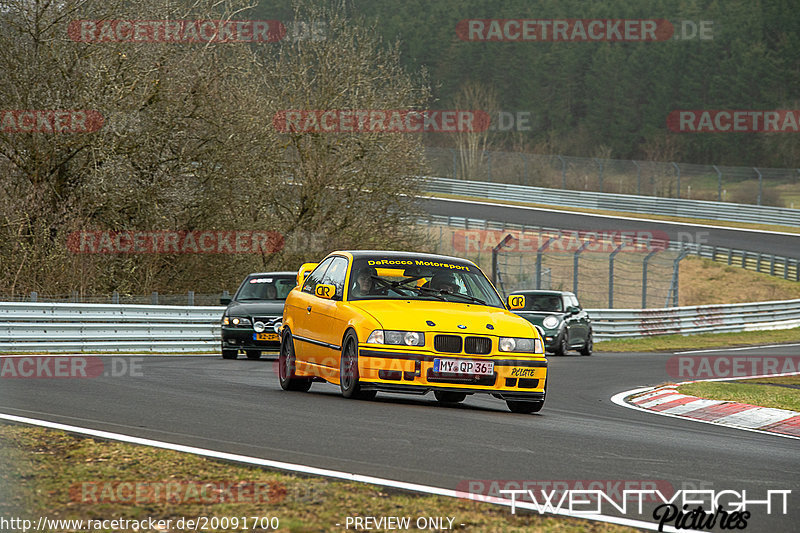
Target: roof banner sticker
[405,263]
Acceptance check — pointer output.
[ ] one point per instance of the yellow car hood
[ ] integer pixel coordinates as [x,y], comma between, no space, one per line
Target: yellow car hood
[412,315]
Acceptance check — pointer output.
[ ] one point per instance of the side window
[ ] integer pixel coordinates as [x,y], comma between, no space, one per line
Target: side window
[336,274]
[313,279]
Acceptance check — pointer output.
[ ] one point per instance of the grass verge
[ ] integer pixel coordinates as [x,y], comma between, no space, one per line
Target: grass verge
[38,467]
[777,392]
[666,343]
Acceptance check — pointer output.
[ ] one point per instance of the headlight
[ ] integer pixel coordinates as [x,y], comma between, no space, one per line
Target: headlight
[550,322]
[389,336]
[277,326]
[225,321]
[240,321]
[259,326]
[519,344]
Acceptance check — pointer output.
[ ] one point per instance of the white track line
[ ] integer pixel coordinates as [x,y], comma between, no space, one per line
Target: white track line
[737,349]
[583,213]
[292,467]
[619,399]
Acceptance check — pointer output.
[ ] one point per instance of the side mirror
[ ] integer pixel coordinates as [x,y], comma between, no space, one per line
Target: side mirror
[303,271]
[325,291]
[516,301]
[224,301]
[572,310]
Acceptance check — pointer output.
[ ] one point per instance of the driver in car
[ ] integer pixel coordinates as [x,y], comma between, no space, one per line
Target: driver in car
[365,284]
[445,281]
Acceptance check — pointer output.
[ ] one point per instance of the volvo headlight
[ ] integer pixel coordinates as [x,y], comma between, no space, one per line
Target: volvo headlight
[518,344]
[550,322]
[390,336]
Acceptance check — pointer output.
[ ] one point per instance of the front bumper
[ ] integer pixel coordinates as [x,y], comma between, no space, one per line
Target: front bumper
[244,339]
[514,377]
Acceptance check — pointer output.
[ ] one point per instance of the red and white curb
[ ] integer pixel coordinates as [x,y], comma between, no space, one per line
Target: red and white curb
[666,400]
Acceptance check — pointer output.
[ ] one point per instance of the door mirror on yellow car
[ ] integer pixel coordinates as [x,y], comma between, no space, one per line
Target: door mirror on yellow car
[516,301]
[304,270]
[325,291]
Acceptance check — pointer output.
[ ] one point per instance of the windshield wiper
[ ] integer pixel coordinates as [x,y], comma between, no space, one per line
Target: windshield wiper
[433,292]
[465,296]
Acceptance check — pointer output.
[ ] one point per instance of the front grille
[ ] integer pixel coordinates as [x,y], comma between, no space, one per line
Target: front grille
[447,343]
[478,345]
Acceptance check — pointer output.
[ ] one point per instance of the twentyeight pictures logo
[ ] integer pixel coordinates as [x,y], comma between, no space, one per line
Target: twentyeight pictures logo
[380,121]
[50,121]
[564,30]
[176,31]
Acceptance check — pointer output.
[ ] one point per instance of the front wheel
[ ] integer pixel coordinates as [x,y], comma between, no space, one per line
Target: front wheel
[443,396]
[523,407]
[229,354]
[561,345]
[286,367]
[588,346]
[348,371]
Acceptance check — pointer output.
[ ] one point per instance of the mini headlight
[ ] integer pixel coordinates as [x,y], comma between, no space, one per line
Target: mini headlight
[550,322]
[259,326]
[239,321]
[277,326]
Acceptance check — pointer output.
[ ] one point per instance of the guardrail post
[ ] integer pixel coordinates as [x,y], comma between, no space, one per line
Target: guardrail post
[759,185]
[564,172]
[541,249]
[488,165]
[638,177]
[34,296]
[719,183]
[115,297]
[76,297]
[611,275]
[154,298]
[575,260]
[600,164]
[190,298]
[758,262]
[645,261]
[678,172]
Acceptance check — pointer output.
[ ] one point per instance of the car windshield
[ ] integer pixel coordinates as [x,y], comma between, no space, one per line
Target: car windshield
[266,287]
[543,302]
[424,278]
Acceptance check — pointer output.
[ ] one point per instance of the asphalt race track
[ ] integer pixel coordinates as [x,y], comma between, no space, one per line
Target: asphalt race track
[781,244]
[238,407]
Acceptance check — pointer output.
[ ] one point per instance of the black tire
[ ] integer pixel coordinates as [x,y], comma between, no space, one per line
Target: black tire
[253,354]
[286,376]
[348,371]
[444,396]
[523,407]
[561,345]
[588,346]
[229,354]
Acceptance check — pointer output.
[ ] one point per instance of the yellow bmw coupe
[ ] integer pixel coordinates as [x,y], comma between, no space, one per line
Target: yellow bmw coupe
[406,322]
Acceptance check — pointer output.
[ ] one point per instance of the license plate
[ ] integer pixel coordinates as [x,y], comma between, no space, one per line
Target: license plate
[265,336]
[463,366]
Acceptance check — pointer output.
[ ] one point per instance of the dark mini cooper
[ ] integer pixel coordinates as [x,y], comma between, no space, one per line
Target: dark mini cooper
[565,324]
[253,316]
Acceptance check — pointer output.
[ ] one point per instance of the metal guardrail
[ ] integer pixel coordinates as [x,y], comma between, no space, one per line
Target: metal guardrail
[652,205]
[774,265]
[73,327]
[55,327]
[610,324]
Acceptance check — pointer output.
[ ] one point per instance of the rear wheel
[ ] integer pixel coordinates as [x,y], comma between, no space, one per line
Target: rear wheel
[253,354]
[523,407]
[229,354]
[286,367]
[348,371]
[443,396]
[588,346]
